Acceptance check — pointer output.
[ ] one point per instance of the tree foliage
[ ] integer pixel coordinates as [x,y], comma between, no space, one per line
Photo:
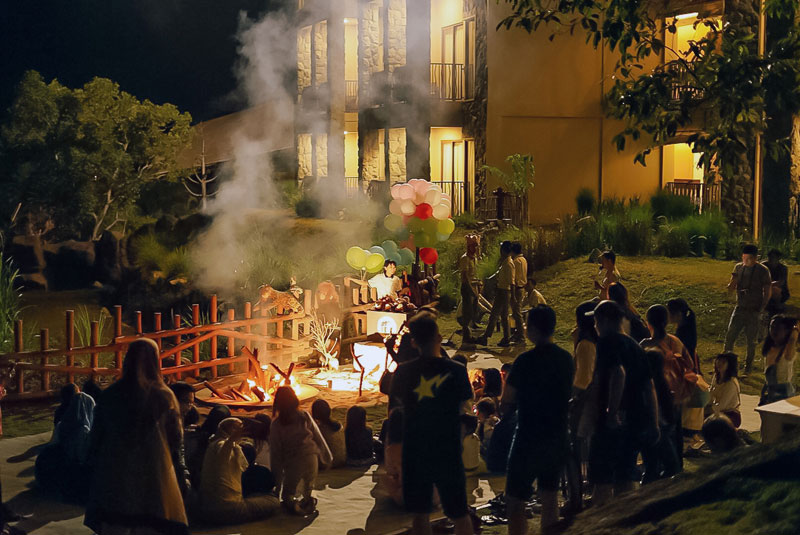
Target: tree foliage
[721,82]
[76,159]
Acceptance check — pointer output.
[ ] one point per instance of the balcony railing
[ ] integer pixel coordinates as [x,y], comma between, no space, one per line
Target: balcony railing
[351,95]
[684,83]
[701,194]
[351,186]
[452,81]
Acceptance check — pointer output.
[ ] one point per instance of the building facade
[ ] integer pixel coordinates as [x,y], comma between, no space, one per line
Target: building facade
[389,90]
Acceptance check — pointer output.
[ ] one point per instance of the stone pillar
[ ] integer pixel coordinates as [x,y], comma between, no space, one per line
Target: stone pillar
[336,83]
[418,57]
[475,111]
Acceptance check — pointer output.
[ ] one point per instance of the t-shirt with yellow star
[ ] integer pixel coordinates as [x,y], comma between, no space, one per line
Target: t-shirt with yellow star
[431,391]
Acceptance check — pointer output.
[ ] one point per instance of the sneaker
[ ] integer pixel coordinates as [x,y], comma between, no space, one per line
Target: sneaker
[504,342]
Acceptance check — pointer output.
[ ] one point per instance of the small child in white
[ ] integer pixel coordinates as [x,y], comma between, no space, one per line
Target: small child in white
[471,452]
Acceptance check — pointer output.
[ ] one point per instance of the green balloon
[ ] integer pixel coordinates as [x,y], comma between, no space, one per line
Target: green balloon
[356,257]
[402,234]
[406,256]
[415,224]
[442,237]
[430,227]
[396,258]
[423,239]
[377,249]
[374,263]
[446,226]
[389,246]
[393,222]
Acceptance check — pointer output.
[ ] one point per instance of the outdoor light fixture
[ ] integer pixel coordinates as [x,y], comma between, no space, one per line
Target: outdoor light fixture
[686,16]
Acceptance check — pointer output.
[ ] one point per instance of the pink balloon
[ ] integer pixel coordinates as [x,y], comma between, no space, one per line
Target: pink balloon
[395,191]
[406,192]
[421,186]
[407,207]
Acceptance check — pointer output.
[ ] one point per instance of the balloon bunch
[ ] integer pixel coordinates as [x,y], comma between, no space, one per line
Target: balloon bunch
[371,260]
[421,210]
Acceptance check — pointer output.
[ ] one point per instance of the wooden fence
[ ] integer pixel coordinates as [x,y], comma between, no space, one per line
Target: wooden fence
[280,337]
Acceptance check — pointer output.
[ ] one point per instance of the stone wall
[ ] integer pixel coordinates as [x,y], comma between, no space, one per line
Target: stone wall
[303,58]
[304,156]
[397,34]
[322,155]
[371,159]
[321,52]
[397,155]
[371,36]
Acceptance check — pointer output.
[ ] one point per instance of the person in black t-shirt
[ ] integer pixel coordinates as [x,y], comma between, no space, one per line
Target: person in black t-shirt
[540,385]
[432,392]
[625,406]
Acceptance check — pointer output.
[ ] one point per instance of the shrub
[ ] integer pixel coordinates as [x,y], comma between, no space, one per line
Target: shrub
[673,207]
[83,325]
[307,206]
[710,225]
[466,221]
[672,240]
[148,252]
[10,306]
[585,201]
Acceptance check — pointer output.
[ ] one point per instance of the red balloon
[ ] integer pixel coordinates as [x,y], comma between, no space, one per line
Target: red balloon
[424,211]
[428,255]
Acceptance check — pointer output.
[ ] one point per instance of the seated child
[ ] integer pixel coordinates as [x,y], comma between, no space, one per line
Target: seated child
[725,392]
[358,438]
[256,479]
[221,500]
[471,451]
[720,434]
[331,430]
[487,420]
[534,297]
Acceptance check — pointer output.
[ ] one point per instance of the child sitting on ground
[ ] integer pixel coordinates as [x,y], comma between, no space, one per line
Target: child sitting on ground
[487,420]
[471,450]
[221,500]
[534,297]
[256,479]
[331,430]
[358,438]
[725,394]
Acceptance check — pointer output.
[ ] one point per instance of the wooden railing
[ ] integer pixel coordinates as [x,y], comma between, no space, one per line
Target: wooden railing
[502,206]
[702,195]
[351,186]
[452,81]
[279,338]
[456,192]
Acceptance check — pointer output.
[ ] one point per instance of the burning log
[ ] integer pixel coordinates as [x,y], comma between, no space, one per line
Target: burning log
[239,395]
[260,393]
[216,391]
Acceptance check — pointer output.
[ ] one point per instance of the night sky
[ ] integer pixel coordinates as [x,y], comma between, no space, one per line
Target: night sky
[178,51]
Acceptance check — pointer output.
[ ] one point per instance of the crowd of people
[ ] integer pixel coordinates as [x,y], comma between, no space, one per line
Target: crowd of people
[138,456]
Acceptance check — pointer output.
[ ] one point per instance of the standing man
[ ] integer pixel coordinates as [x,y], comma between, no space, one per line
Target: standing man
[502,297]
[469,288]
[779,274]
[753,285]
[540,386]
[624,405]
[518,291]
[432,391]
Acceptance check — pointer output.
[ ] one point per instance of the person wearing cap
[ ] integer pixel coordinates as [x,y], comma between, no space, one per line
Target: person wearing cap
[779,274]
[502,298]
[624,406]
[753,285]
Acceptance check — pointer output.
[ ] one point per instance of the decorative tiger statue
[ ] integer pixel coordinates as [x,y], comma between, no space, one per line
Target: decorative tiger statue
[270,298]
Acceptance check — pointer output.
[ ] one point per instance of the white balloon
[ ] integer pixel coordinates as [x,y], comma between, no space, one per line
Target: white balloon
[445,196]
[395,191]
[433,196]
[421,186]
[407,207]
[441,211]
[394,207]
[406,192]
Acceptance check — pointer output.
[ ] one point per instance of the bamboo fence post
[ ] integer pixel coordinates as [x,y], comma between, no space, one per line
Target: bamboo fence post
[94,342]
[262,346]
[213,318]
[231,341]
[196,347]
[176,324]
[69,337]
[117,334]
[44,341]
[248,314]
[19,347]
[139,329]
[157,327]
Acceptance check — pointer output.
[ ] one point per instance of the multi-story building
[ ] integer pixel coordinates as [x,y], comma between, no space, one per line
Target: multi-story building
[389,90]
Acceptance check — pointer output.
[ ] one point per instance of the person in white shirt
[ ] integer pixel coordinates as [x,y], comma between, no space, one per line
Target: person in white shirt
[518,291]
[725,393]
[387,283]
[471,452]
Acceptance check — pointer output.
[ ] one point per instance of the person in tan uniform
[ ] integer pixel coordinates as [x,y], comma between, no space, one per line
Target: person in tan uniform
[502,297]
[518,291]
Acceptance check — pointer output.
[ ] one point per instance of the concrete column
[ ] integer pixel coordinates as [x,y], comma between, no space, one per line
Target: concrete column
[418,56]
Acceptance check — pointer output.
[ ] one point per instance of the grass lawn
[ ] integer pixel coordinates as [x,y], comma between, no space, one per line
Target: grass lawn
[650,280]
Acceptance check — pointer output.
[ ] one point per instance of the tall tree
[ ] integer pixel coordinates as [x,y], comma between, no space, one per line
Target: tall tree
[78,158]
[723,82]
